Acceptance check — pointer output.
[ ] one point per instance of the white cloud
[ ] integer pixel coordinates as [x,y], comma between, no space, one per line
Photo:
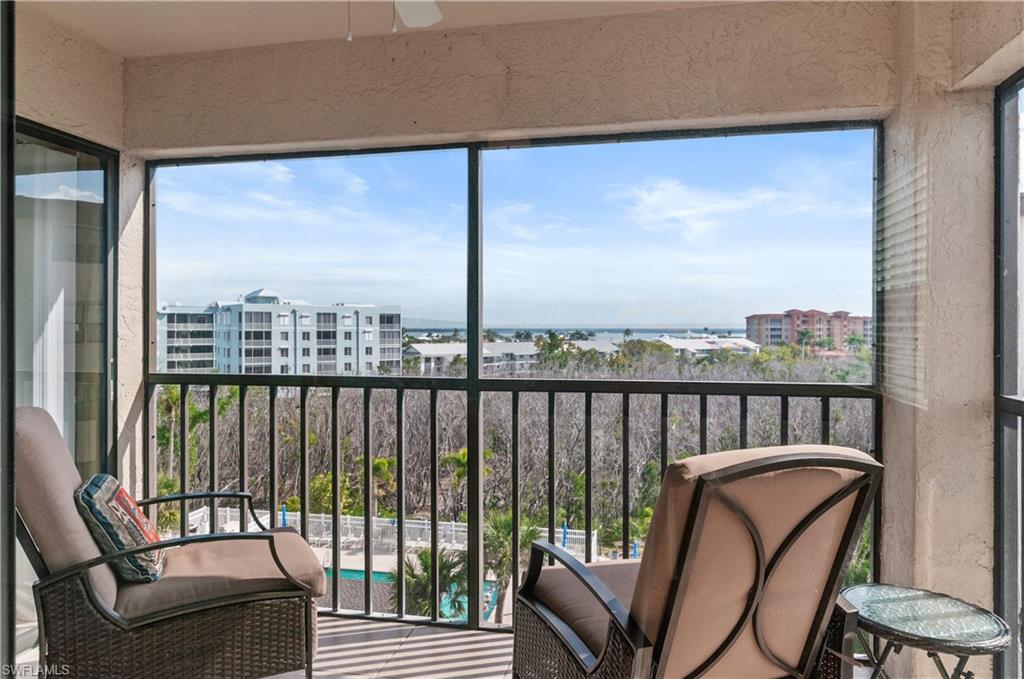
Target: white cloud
[276,172]
[666,204]
[333,171]
[520,220]
[65,192]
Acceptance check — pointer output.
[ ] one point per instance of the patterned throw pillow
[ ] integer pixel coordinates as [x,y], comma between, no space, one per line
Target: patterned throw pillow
[117,523]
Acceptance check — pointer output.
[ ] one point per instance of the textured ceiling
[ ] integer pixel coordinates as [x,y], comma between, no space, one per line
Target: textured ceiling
[140,29]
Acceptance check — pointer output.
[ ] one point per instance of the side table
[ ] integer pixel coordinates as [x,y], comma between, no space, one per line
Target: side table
[932,622]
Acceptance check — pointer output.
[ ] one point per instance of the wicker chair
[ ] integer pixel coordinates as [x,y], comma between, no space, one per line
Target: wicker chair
[739,576]
[227,605]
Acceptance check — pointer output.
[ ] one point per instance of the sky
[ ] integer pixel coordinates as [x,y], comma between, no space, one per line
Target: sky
[662,233]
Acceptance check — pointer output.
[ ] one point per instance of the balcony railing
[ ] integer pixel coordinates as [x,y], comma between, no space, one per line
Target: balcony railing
[549,452]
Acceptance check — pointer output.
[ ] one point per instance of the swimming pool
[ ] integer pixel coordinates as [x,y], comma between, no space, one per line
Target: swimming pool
[355,574]
[490,589]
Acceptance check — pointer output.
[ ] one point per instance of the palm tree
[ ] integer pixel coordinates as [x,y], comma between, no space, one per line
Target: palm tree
[168,408]
[451,581]
[553,348]
[825,343]
[459,462]
[803,338]
[383,480]
[167,416]
[499,556]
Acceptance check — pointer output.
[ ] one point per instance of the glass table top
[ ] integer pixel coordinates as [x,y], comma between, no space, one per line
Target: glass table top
[909,615]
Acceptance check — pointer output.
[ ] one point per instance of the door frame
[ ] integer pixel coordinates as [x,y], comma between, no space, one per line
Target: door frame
[110,161]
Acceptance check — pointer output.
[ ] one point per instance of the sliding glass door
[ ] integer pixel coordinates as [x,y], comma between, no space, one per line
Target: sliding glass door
[63,201]
[62,249]
[1009,123]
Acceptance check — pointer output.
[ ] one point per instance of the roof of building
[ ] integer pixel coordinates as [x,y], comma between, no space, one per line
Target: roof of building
[708,343]
[263,293]
[439,349]
[184,309]
[442,349]
[516,348]
[600,346]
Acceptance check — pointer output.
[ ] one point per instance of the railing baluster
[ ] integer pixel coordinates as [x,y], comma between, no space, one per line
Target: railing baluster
[551,470]
[876,511]
[703,423]
[664,435]
[243,465]
[183,458]
[515,492]
[434,571]
[214,481]
[272,448]
[400,497]
[304,460]
[625,476]
[826,420]
[743,421]
[784,421]
[335,499]
[588,473]
[149,472]
[369,506]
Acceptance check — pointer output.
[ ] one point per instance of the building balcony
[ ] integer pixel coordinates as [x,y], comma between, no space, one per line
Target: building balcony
[127,126]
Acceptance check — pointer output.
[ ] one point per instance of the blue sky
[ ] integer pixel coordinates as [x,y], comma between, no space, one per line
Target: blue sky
[683,232]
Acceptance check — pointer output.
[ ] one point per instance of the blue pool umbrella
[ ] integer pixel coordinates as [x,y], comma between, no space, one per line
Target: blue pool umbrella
[284,516]
[565,534]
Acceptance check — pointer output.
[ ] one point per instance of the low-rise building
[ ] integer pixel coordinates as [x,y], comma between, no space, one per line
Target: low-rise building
[787,328]
[504,358]
[701,346]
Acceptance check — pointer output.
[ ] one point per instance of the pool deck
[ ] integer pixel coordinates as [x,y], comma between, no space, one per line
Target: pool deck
[360,649]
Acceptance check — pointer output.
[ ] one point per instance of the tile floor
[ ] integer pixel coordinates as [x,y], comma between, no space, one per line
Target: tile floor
[360,649]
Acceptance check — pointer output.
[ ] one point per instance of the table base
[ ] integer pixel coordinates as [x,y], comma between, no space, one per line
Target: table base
[960,670]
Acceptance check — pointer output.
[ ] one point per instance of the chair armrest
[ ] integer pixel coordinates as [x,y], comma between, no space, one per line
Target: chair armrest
[205,495]
[604,596]
[84,566]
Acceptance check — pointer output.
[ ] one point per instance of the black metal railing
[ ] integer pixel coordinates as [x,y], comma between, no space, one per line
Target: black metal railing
[663,403]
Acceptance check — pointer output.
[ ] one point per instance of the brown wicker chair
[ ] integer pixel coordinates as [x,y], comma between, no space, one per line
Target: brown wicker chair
[227,605]
[739,577]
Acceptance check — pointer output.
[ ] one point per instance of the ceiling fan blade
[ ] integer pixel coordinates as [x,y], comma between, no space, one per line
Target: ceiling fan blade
[418,13]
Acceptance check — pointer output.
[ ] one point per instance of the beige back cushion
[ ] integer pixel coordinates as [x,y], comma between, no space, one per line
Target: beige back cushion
[46,479]
[722,570]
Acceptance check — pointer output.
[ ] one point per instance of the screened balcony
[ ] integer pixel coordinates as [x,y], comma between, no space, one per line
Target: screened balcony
[426,204]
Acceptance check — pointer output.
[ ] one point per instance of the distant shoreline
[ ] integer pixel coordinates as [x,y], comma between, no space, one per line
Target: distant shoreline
[637,331]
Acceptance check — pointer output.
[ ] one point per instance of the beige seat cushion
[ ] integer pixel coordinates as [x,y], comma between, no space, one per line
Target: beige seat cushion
[213,570]
[571,601]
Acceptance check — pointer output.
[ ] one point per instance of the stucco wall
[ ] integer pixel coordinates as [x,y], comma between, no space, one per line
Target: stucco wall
[938,442]
[64,81]
[709,66]
[130,321]
[695,67]
[980,31]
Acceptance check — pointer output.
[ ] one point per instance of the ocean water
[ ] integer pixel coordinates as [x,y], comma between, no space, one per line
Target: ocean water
[609,334]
